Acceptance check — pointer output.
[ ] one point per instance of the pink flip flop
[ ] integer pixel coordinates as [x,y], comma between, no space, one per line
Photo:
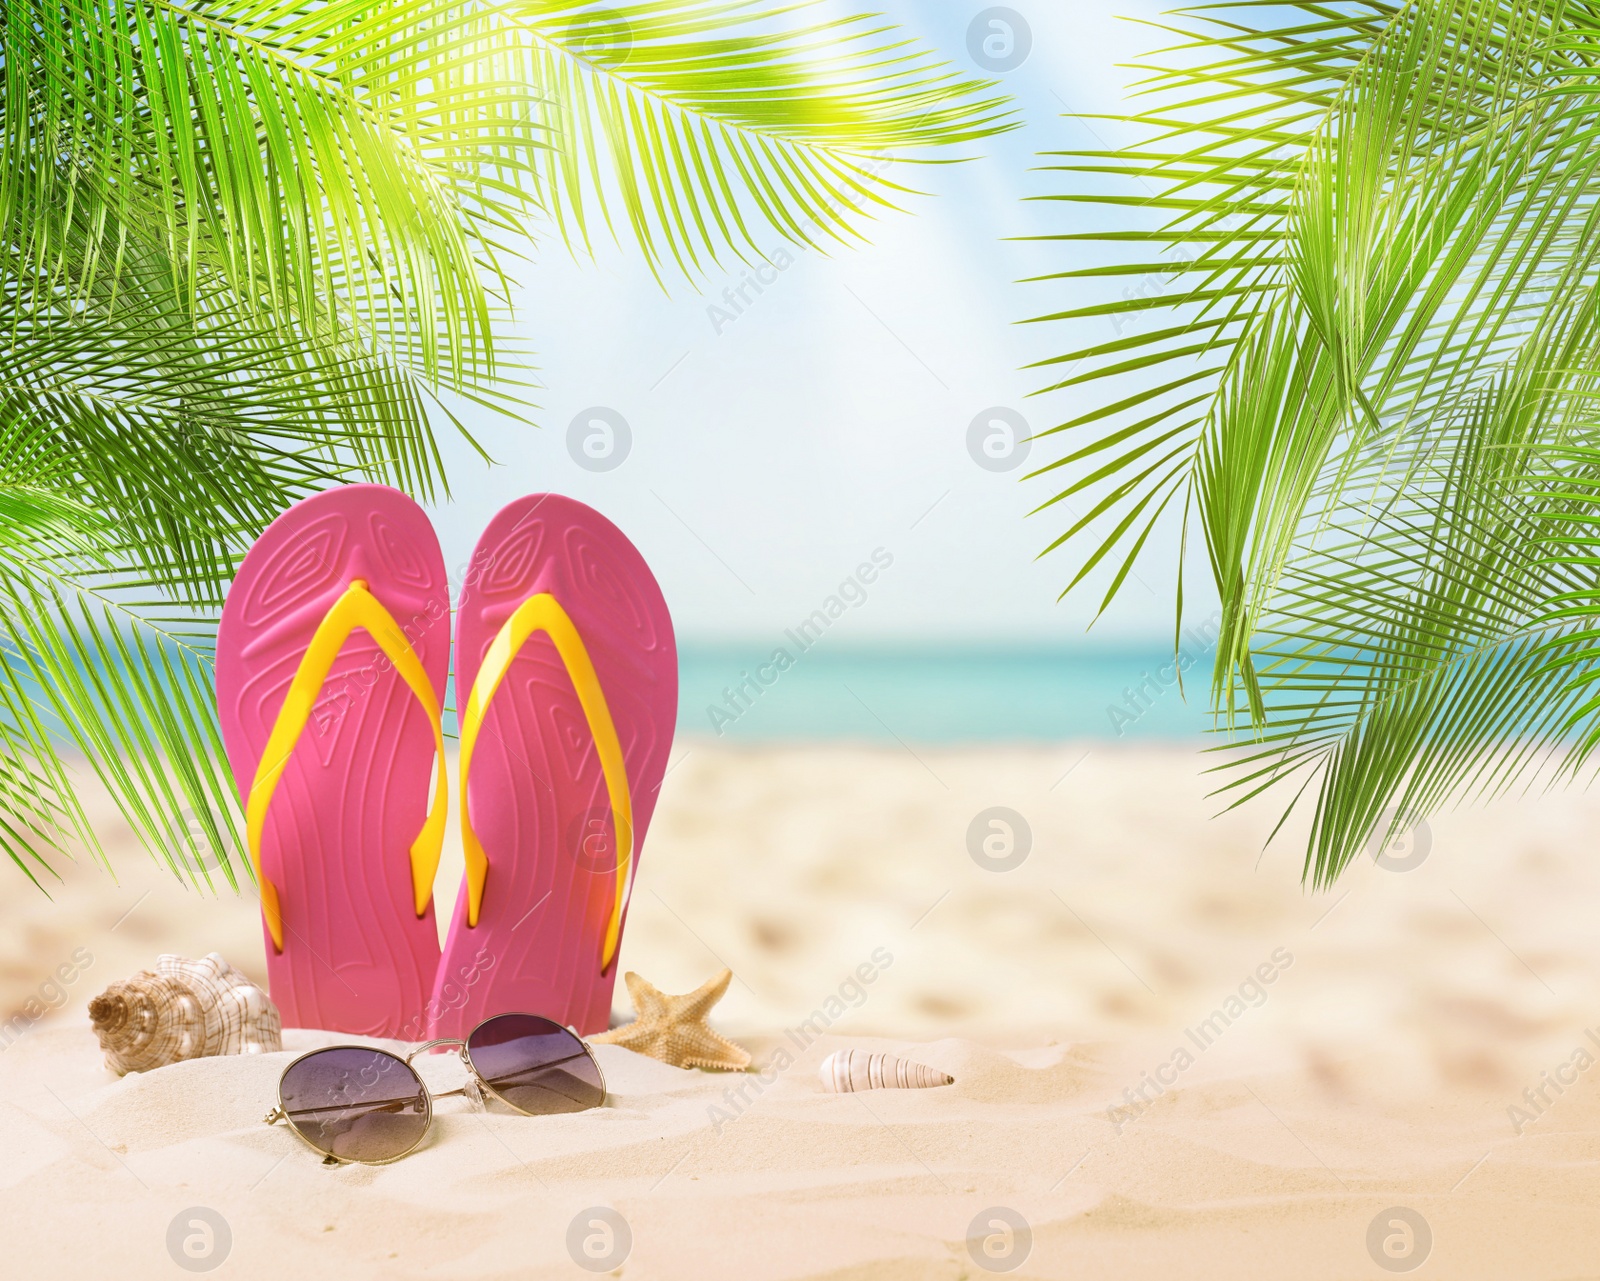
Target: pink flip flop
[332,656]
[567,685]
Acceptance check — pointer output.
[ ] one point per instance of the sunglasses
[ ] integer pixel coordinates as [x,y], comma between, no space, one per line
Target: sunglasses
[358,1103]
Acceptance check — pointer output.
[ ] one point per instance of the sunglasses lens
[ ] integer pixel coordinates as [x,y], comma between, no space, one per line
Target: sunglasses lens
[535,1065]
[356,1104]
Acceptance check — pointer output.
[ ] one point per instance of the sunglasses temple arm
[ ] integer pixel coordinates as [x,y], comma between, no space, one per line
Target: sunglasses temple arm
[387,1105]
[433,1045]
[545,1066]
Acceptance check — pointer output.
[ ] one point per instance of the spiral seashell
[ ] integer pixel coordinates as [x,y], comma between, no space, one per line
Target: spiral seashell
[183,1009]
[848,1071]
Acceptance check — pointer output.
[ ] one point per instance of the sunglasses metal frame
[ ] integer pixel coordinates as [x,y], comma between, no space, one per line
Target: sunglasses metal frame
[475,1083]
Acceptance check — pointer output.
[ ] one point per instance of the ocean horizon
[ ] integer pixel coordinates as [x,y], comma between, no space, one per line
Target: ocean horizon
[942,693]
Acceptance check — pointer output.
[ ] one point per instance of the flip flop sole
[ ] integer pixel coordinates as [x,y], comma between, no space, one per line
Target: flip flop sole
[536,790]
[336,844]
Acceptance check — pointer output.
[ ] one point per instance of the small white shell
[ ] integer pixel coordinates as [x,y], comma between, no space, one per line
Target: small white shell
[847,1071]
[183,1009]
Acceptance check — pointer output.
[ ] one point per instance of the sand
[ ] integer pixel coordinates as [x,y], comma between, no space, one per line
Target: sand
[1130,1084]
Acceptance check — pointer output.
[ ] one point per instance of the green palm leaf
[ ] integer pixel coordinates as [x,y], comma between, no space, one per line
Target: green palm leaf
[704,122]
[1372,391]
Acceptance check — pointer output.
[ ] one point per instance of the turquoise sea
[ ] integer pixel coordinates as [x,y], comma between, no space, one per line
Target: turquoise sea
[941,695]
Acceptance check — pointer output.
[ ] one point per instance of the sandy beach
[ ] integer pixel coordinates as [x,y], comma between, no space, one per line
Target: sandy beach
[1169,1057]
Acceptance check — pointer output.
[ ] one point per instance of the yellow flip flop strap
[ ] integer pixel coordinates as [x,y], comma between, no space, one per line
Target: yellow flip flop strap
[543,613]
[356,608]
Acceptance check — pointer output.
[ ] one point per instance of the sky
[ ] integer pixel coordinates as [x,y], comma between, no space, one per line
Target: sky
[771,452]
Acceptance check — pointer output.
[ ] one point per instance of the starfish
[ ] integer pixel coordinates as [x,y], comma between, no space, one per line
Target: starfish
[674,1029]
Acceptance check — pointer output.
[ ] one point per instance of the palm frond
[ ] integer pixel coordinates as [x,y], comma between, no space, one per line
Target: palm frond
[336,164]
[132,698]
[704,123]
[1383,325]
